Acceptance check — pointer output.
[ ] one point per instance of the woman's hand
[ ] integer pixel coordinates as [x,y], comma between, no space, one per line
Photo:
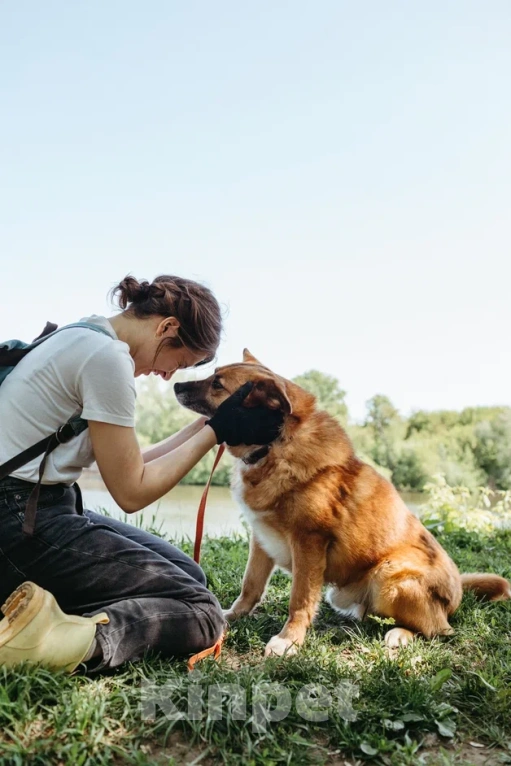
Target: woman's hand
[235,424]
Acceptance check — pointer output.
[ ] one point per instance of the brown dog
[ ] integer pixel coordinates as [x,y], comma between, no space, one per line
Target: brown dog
[320,513]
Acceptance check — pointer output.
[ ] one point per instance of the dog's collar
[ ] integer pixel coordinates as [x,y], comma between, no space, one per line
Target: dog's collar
[256,456]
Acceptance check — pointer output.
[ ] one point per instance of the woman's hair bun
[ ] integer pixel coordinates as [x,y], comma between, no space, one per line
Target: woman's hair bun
[131,291]
[192,304]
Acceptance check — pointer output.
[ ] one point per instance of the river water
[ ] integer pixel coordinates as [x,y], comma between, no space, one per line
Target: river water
[175,513]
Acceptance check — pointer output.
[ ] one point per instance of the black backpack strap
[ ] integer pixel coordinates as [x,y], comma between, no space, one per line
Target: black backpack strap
[45,447]
[65,433]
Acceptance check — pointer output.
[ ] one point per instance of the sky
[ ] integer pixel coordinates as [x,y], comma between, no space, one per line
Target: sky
[338,173]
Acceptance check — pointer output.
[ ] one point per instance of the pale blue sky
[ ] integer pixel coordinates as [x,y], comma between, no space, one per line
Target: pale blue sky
[338,172]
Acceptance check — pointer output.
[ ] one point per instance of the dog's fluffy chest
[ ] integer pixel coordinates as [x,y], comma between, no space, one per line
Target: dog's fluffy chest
[269,539]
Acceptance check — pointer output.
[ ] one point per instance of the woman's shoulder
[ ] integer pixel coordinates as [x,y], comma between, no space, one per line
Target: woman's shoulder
[100,343]
[92,327]
[92,332]
[81,348]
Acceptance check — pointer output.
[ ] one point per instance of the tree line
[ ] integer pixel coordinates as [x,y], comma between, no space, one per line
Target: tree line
[470,448]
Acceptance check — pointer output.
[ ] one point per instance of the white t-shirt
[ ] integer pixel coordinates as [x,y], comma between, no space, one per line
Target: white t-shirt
[76,372]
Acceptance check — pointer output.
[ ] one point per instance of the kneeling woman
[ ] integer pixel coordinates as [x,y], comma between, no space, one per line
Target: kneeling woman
[101,591]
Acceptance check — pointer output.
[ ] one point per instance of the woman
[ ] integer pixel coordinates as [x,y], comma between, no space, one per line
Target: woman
[101,591]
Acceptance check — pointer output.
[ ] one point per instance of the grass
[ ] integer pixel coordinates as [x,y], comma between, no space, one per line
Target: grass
[423,706]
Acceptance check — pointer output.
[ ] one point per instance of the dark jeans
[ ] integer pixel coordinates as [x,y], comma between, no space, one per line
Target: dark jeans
[155,595]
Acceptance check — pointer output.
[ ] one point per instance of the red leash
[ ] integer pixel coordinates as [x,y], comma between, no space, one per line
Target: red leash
[199,526]
[199,531]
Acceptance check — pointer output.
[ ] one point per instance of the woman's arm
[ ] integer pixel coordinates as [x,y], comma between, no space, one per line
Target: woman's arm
[133,483]
[168,445]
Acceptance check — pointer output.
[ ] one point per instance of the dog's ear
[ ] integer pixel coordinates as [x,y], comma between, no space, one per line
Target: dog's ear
[270,393]
[248,358]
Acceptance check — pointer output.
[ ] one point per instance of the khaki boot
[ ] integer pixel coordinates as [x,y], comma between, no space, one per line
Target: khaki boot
[36,630]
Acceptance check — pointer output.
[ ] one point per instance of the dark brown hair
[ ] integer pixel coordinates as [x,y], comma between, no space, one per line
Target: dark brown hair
[193,305]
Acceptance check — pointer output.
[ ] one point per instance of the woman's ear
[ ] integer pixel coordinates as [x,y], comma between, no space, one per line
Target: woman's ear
[168,328]
[270,393]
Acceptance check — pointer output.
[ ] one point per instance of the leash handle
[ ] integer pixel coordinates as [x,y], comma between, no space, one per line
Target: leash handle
[214,650]
[199,527]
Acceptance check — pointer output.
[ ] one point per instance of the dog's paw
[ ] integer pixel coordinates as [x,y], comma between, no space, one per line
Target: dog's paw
[230,615]
[279,646]
[398,637]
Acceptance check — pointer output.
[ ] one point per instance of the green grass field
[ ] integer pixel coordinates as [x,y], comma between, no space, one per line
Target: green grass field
[433,702]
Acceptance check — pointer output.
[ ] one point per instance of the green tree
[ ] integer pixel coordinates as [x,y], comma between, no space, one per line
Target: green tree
[328,392]
[493,449]
[381,414]
[408,472]
[381,419]
[419,422]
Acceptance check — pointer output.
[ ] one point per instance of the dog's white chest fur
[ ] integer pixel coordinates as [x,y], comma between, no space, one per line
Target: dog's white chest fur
[271,541]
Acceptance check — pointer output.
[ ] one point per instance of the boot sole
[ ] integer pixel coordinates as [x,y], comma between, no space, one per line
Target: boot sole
[20,608]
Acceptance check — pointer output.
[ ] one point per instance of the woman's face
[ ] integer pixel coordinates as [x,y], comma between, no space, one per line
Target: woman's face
[168,359]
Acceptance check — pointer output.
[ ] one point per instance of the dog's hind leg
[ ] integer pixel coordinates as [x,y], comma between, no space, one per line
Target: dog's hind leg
[351,602]
[348,601]
[398,637]
[413,605]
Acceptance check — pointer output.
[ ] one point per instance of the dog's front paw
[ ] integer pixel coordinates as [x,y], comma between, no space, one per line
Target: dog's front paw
[230,615]
[279,646]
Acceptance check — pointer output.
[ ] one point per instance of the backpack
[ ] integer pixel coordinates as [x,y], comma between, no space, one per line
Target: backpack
[11,353]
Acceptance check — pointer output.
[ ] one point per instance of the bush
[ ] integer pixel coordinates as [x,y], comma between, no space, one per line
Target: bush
[408,472]
[453,508]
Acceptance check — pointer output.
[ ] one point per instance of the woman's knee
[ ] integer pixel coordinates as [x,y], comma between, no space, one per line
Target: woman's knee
[214,621]
[196,572]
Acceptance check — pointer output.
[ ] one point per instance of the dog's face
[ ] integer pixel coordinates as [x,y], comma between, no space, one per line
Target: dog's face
[205,396]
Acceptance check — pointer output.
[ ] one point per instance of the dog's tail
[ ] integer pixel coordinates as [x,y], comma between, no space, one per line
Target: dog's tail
[490,587]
